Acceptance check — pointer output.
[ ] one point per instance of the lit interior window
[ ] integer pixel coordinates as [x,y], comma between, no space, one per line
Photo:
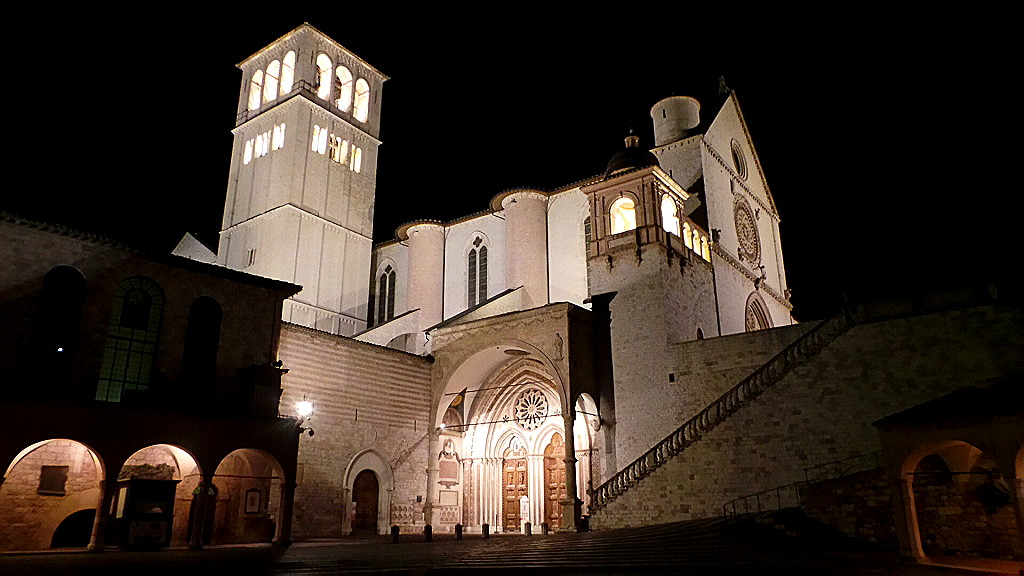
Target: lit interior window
[344,85]
[362,101]
[669,215]
[319,139]
[278,141]
[247,154]
[270,83]
[255,89]
[623,215]
[335,148]
[687,237]
[323,66]
[343,152]
[288,72]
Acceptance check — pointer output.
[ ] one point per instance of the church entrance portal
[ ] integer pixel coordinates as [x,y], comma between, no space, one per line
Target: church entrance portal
[515,484]
[365,494]
[554,481]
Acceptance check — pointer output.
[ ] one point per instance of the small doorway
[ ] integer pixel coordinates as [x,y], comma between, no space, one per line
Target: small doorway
[514,478]
[365,498]
[554,481]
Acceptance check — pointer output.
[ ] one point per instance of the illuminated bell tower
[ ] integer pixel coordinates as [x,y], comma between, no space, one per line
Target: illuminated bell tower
[300,196]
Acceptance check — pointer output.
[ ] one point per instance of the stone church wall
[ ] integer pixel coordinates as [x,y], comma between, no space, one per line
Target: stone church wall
[365,398]
[823,411]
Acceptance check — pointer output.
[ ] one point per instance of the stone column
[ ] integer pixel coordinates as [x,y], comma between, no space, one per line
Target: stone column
[98,539]
[430,499]
[569,508]
[198,519]
[284,524]
[536,489]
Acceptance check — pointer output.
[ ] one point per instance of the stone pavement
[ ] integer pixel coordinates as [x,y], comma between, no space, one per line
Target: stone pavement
[695,548]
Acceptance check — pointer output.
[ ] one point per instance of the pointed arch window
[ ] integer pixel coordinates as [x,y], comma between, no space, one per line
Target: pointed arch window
[623,215]
[476,264]
[323,67]
[386,295]
[362,100]
[255,89]
[343,82]
[131,340]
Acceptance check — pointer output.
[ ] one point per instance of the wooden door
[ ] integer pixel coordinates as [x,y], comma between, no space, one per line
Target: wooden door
[365,496]
[514,487]
[554,481]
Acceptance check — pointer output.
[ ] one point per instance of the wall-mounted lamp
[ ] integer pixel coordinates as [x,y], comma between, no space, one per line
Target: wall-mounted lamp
[304,408]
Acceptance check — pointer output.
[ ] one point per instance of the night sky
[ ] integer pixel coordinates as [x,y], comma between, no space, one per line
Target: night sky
[879,139]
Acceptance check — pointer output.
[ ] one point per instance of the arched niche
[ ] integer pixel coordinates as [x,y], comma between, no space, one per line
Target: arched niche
[373,461]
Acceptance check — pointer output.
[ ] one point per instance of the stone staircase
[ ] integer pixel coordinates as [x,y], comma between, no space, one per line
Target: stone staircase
[727,404]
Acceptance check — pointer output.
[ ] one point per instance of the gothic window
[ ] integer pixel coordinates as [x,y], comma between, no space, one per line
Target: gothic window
[738,159]
[288,72]
[270,83]
[202,336]
[131,339]
[323,67]
[386,295]
[247,153]
[476,262]
[278,138]
[669,215]
[623,215]
[343,82]
[687,235]
[255,89]
[55,333]
[362,100]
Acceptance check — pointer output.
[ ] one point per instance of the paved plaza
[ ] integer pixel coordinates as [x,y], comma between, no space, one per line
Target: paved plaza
[690,548]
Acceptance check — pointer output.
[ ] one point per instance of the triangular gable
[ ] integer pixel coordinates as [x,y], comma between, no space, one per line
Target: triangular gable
[755,160]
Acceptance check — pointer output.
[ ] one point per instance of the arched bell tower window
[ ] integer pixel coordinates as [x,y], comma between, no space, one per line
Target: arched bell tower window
[386,295]
[271,80]
[131,339]
[323,69]
[623,215]
[476,263]
[288,72]
[669,215]
[343,82]
[362,100]
[255,89]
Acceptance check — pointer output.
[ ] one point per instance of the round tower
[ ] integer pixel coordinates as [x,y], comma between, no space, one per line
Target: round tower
[526,243]
[426,283]
[674,117]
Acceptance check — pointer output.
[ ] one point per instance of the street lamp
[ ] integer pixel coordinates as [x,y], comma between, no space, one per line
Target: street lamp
[304,408]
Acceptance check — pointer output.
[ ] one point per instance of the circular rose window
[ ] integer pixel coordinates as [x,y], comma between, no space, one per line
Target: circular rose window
[746,232]
[531,408]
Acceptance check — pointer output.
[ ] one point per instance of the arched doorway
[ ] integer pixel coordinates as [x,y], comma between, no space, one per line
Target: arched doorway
[365,498]
[45,485]
[515,485]
[160,463]
[248,499]
[554,481]
[75,530]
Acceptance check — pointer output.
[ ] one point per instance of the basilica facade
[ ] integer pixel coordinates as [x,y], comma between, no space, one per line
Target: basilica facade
[618,351]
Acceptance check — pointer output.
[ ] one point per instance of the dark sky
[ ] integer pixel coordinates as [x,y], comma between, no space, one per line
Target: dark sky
[879,138]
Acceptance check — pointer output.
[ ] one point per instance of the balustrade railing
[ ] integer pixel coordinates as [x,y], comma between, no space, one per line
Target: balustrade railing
[713,414]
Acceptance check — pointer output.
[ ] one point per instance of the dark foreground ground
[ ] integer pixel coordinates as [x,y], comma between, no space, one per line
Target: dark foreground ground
[692,548]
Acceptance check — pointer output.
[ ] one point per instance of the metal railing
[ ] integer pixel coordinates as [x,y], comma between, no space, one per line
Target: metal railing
[712,415]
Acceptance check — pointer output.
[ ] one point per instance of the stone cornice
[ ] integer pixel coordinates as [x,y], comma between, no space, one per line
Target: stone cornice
[764,287]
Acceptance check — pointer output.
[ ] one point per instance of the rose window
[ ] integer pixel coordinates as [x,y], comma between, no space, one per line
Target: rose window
[530,409]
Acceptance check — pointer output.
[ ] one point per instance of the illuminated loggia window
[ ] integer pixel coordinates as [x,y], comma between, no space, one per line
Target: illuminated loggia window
[247,154]
[687,235]
[623,213]
[288,72]
[270,83]
[704,249]
[262,144]
[357,159]
[343,82]
[696,241]
[320,136]
[324,67]
[362,100]
[669,214]
[338,149]
[278,139]
[255,89]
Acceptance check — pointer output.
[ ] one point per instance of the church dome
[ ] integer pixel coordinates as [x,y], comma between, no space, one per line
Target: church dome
[630,158]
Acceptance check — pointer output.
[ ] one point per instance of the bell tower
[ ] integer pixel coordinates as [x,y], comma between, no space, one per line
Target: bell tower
[300,195]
